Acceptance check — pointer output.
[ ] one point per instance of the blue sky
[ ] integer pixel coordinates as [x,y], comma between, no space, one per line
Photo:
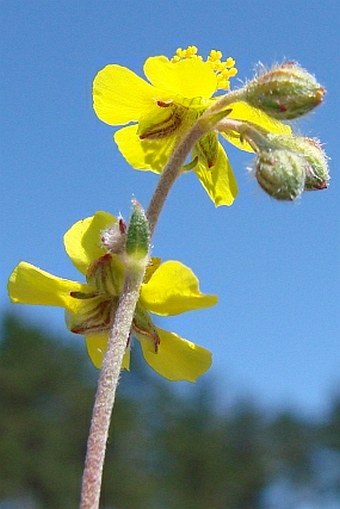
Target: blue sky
[275,332]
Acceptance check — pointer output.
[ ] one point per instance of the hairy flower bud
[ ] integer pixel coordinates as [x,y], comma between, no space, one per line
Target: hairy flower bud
[286,91]
[317,172]
[138,234]
[280,173]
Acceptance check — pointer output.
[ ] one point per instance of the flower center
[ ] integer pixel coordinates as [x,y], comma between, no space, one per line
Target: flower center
[224,70]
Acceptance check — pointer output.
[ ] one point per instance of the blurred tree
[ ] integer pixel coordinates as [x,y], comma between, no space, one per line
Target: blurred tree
[214,460]
[45,402]
[330,435]
[168,449]
[290,444]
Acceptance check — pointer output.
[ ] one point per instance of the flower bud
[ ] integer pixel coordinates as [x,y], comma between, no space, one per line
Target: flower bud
[287,91]
[317,172]
[138,234]
[280,173]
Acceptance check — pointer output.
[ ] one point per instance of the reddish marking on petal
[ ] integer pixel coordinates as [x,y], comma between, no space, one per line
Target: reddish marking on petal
[150,334]
[163,104]
[104,259]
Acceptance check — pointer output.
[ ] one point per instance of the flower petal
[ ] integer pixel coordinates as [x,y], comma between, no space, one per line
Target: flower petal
[82,240]
[188,78]
[146,154]
[242,111]
[30,285]
[177,358]
[218,181]
[120,96]
[152,266]
[96,345]
[172,289]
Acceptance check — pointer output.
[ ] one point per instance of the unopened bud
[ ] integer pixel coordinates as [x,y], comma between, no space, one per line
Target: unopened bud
[138,234]
[280,173]
[286,91]
[317,172]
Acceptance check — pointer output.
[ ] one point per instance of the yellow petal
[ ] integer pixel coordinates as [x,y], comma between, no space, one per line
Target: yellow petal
[189,78]
[172,289]
[96,345]
[218,181]
[149,155]
[177,358]
[120,96]
[82,240]
[152,266]
[242,111]
[30,285]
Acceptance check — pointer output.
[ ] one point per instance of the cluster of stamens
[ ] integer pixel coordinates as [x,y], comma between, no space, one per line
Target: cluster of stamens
[224,70]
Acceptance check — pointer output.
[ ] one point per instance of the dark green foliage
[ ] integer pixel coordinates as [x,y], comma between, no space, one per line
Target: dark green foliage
[167,449]
[45,402]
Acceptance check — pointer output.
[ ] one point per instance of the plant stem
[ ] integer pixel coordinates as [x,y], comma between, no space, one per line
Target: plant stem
[106,390]
[109,375]
[224,101]
[174,166]
[169,174]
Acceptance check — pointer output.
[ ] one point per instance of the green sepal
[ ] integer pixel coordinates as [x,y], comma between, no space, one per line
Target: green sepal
[106,274]
[207,148]
[92,315]
[138,234]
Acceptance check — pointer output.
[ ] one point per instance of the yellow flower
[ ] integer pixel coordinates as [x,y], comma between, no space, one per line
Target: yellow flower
[161,111]
[169,288]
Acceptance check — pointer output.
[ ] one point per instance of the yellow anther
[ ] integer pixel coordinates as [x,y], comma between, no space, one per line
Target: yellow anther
[230,62]
[181,54]
[223,70]
[214,55]
[232,72]
[191,50]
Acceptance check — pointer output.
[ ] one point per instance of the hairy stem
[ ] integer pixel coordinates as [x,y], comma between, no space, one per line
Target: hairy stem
[109,376]
[106,390]
[169,174]
[224,101]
